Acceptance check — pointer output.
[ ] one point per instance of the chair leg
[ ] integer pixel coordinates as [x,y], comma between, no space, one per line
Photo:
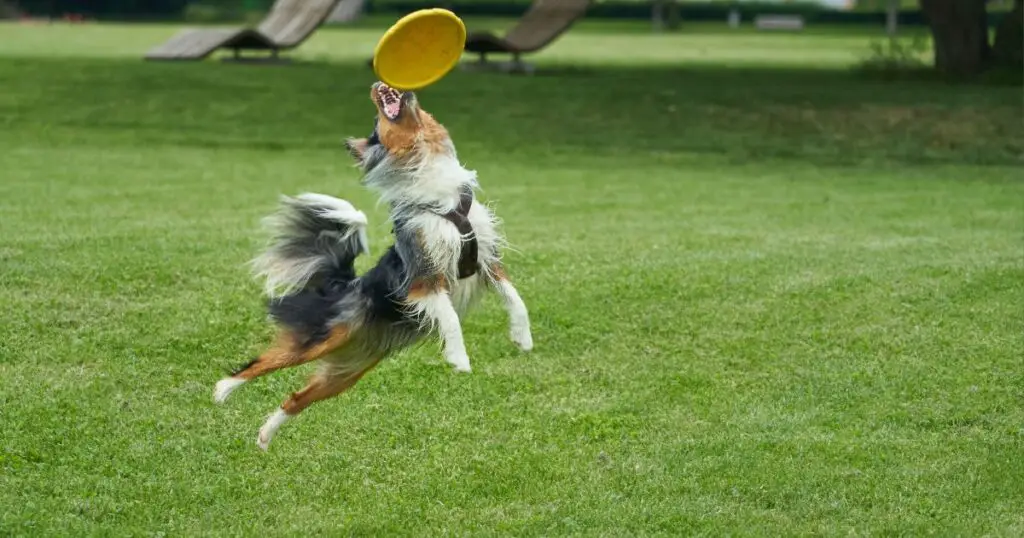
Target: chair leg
[519,66]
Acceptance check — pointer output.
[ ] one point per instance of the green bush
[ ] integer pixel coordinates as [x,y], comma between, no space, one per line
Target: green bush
[203,13]
[895,56]
[225,11]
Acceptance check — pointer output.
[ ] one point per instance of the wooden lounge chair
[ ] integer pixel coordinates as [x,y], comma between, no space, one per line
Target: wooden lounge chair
[286,26]
[542,23]
[347,11]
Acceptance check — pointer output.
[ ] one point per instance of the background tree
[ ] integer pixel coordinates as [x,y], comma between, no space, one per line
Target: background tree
[959,34]
[1008,48]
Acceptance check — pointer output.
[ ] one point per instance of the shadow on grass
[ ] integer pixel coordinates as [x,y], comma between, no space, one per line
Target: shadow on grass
[825,117]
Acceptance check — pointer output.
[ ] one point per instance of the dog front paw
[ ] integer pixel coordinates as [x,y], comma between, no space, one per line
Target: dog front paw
[263,440]
[522,338]
[460,362]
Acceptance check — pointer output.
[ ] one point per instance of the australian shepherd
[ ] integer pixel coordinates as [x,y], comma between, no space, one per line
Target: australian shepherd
[446,253]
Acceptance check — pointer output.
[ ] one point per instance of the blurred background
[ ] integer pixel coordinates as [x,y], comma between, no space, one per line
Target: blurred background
[965,37]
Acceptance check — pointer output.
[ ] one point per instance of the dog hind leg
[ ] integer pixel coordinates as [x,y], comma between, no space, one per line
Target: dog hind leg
[324,384]
[286,353]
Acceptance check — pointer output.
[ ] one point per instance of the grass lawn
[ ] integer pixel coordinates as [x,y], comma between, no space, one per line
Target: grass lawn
[775,299]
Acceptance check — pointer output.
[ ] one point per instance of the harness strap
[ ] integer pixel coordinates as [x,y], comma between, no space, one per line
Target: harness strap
[459,217]
[467,265]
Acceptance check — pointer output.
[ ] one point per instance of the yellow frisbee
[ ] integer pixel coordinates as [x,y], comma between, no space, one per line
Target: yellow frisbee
[419,49]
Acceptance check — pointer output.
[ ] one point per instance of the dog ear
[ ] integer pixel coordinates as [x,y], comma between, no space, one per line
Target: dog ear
[357,147]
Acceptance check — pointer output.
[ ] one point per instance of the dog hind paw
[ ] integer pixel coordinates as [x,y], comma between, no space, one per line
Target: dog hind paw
[225,387]
[270,427]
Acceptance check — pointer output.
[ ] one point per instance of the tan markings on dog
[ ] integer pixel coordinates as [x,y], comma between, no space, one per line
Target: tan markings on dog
[421,239]
[287,352]
[498,272]
[412,132]
[357,146]
[415,130]
[434,134]
[338,336]
[424,286]
[321,387]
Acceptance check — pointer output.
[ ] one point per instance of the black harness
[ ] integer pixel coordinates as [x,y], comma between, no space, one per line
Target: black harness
[468,265]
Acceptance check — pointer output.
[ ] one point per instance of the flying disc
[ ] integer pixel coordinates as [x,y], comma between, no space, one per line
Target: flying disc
[419,49]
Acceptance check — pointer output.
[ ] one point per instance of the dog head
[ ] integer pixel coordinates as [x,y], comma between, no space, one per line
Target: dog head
[402,131]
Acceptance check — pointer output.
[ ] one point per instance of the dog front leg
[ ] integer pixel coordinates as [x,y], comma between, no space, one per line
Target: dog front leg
[434,303]
[518,316]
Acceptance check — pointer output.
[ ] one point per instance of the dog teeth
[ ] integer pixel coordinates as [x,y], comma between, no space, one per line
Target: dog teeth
[390,99]
[389,94]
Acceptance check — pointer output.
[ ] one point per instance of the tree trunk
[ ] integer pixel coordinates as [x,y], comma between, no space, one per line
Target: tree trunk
[673,15]
[959,35]
[1008,48]
[665,15]
[892,17]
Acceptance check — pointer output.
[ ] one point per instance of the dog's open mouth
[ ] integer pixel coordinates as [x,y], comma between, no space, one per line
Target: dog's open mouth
[389,100]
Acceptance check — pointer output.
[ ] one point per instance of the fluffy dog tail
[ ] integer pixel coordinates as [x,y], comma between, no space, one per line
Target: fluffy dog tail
[315,238]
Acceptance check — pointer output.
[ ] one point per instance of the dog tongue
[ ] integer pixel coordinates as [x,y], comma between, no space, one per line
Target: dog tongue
[392,109]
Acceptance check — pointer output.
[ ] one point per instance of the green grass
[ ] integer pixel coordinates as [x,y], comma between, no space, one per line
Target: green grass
[765,301]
